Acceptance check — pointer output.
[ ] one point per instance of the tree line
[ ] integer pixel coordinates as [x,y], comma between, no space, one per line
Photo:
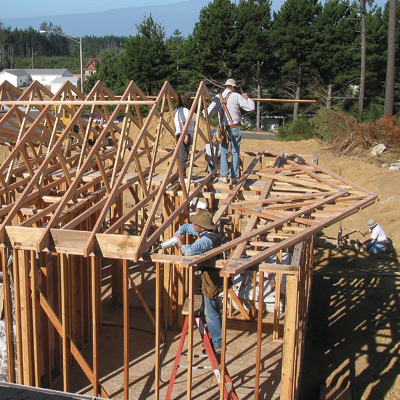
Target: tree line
[308,49]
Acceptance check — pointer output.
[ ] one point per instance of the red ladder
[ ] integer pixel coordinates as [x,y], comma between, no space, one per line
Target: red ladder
[229,391]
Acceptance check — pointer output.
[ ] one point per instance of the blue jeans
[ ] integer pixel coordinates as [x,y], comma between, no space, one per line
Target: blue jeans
[376,247]
[214,321]
[235,137]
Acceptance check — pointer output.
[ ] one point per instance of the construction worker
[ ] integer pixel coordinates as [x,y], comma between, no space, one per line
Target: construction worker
[228,105]
[180,116]
[377,243]
[203,226]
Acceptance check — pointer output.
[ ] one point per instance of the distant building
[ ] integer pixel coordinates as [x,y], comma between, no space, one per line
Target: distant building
[17,77]
[56,84]
[46,76]
[24,77]
[90,67]
[271,123]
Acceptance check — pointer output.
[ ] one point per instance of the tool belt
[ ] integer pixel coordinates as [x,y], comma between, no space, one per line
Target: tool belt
[232,126]
[211,284]
[221,135]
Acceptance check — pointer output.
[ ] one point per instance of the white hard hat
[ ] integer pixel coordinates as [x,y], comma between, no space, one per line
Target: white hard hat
[201,205]
[230,82]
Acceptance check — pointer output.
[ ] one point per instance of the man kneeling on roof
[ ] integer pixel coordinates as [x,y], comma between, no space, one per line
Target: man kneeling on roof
[203,226]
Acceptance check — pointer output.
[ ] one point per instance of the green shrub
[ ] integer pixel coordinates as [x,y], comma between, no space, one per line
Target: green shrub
[373,112]
[328,124]
[298,130]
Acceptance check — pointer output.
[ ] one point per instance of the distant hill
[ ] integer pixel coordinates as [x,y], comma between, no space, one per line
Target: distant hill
[121,21]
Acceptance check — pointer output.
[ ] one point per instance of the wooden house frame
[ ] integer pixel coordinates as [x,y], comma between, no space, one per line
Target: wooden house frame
[62,213]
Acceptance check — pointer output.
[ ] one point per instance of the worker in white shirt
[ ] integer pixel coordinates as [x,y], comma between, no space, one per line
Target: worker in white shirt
[377,242]
[228,105]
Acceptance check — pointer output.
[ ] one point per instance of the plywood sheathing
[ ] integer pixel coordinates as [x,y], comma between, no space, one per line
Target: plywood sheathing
[63,211]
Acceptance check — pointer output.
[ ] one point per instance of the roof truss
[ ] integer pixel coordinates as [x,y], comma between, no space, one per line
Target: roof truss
[61,192]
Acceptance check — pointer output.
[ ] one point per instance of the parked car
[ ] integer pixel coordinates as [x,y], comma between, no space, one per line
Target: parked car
[116,120]
[96,117]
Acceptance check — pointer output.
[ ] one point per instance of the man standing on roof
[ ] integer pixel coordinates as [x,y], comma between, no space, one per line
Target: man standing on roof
[180,116]
[377,243]
[228,105]
[203,226]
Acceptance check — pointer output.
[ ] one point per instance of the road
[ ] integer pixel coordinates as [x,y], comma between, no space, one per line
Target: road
[258,135]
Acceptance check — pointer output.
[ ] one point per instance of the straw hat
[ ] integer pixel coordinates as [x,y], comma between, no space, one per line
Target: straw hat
[230,82]
[203,219]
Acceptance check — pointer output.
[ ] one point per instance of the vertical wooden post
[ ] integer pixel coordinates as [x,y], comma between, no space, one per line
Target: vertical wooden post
[35,318]
[190,333]
[125,274]
[95,323]
[277,305]
[259,333]
[289,338]
[24,263]
[46,379]
[65,321]
[223,349]
[157,366]
[79,294]
[17,308]
[8,315]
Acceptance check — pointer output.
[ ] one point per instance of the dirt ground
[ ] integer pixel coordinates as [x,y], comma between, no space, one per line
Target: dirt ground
[353,336]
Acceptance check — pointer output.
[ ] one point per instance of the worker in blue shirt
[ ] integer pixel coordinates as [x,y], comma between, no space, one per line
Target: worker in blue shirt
[203,226]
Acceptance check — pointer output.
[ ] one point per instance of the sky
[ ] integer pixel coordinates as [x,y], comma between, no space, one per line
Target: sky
[40,8]
[105,17]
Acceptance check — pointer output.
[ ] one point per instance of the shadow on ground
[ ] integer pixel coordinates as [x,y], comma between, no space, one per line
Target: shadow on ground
[353,335]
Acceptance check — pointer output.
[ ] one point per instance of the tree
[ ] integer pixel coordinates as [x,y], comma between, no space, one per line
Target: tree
[145,59]
[390,71]
[109,72]
[175,49]
[293,34]
[377,42]
[362,11]
[335,30]
[213,45]
[253,27]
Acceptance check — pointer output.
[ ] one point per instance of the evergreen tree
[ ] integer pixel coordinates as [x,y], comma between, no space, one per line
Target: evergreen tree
[174,47]
[145,59]
[389,88]
[377,43]
[336,32]
[109,72]
[213,44]
[254,55]
[294,39]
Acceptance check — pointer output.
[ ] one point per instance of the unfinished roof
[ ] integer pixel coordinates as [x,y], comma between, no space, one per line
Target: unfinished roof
[76,190]
[59,188]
